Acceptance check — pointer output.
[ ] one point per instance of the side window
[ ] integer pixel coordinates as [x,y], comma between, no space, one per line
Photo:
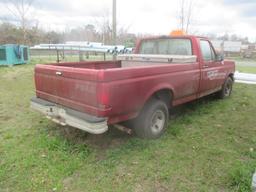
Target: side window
[213,54]
[207,51]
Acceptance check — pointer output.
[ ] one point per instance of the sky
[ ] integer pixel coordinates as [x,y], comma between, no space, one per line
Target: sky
[145,16]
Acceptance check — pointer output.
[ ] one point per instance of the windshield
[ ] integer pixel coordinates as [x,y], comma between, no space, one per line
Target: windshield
[166,47]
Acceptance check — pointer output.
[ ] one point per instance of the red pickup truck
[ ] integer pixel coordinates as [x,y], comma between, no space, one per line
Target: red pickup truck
[164,72]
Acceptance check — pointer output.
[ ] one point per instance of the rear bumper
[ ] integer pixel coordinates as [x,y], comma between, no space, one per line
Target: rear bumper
[66,116]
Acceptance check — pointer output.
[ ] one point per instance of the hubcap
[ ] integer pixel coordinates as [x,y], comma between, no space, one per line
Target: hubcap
[157,121]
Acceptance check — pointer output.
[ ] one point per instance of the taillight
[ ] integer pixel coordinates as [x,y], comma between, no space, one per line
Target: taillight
[103,93]
[103,101]
[103,98]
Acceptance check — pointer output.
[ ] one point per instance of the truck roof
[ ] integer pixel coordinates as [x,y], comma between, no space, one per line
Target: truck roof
[170,36]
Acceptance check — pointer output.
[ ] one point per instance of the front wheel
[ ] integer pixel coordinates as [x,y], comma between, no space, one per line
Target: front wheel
[153,120]
[226,89]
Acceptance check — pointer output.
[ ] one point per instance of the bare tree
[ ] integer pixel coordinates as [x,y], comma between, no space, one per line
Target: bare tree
[189,15]
[185,14]
[104,26]
[20,9]
[182,15]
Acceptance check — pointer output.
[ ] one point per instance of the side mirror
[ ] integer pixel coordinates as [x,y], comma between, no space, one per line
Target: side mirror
[219,57]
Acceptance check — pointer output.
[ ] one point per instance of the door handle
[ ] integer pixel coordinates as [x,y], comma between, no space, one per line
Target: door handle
[58,73]
[205,66]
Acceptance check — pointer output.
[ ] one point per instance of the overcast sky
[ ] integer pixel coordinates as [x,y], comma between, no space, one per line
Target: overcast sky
[147,16]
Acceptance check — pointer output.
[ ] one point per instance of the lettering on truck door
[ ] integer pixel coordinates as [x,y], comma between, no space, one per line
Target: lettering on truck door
[211,72]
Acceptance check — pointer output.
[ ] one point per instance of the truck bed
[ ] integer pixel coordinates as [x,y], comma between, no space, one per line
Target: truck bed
[73,85]
[104,88]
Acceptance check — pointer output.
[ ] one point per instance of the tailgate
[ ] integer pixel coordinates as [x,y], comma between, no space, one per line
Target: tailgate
[71,87]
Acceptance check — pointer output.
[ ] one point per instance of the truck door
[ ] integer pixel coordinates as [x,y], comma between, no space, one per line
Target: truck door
[209,69]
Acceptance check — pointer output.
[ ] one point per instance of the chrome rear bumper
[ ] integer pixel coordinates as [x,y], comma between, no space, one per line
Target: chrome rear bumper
[66,116]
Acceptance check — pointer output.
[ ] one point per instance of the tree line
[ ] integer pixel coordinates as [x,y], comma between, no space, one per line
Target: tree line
[24,32]
[12,34]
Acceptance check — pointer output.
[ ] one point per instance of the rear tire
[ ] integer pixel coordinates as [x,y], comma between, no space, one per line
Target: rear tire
[226,89]
[152,121]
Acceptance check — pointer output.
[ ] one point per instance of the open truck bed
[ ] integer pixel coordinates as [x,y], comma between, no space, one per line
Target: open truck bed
[101,89]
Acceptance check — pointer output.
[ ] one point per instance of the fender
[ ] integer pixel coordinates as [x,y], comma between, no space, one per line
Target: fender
[159,87]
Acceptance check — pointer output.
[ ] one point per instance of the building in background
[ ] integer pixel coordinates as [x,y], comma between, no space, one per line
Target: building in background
[235,48]
[230,48]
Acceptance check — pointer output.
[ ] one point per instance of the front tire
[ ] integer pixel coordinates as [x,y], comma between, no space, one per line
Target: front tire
[153,120]
[226,89]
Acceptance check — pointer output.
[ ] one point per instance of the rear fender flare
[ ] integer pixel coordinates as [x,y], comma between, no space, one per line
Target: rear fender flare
[156,89]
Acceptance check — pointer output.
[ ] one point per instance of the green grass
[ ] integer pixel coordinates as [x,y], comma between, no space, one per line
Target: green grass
[246,69]
[241,59]
[244,65]
[209,146]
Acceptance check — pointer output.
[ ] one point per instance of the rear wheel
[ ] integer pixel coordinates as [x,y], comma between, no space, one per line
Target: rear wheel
[152,121]
[226,89]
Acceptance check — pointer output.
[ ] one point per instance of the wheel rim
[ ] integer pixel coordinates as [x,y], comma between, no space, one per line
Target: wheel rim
[228,89]
[157,121]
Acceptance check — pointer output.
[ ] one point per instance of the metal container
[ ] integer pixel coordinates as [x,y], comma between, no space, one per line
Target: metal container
[11,54]
[138,60]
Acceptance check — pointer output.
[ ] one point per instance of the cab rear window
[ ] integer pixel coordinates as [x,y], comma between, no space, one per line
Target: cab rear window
[166,47]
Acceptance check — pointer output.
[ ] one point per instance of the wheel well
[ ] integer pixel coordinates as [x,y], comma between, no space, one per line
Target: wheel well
[231,76]
[164,95]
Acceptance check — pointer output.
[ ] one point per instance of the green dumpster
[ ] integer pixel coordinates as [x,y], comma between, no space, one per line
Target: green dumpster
[11,54]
